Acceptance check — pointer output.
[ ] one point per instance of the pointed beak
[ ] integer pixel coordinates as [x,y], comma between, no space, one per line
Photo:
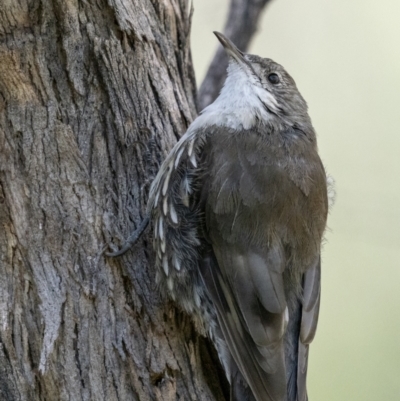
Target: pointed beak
[231,49]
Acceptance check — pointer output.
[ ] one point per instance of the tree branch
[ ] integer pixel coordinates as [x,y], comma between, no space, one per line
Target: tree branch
[240,27]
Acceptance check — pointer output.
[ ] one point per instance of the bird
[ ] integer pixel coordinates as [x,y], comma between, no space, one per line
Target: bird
[239,209]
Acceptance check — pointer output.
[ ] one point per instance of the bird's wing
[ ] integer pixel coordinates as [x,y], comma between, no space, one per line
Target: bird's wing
[309,320]
[244,274]
[175,221]
[249,197]
[247,290]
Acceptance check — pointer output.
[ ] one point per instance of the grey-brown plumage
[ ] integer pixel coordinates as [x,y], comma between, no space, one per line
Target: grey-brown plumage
[239,208]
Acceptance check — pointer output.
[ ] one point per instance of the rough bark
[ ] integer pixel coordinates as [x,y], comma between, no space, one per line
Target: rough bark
[240,27]
[93,93]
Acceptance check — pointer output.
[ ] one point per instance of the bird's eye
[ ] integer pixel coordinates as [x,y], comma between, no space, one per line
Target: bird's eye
[273,78]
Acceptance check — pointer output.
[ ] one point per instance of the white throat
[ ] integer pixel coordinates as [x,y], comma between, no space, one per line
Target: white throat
[240,102]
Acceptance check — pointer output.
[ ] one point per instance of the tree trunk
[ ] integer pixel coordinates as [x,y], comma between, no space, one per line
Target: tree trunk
[93,93]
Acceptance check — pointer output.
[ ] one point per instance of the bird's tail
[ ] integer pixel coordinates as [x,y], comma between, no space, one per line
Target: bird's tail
[240,391]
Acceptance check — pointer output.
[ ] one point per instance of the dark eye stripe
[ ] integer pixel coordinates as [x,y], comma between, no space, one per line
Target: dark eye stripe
[273,78]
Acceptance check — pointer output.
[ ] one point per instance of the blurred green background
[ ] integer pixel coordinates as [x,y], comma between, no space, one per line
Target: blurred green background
[345,58]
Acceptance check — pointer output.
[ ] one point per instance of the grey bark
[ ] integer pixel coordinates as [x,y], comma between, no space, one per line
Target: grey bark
[93,93]
[240,27]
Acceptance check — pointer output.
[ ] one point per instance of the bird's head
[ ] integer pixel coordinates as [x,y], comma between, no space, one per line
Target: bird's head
[262,86]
